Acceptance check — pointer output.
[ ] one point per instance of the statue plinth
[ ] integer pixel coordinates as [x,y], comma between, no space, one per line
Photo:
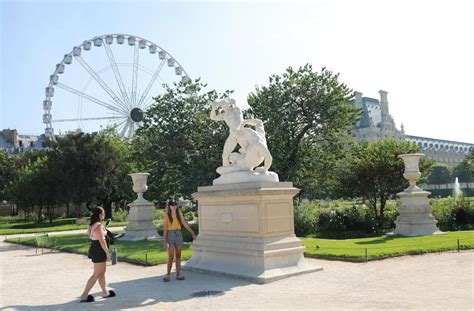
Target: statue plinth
[415,217]
[245,177]
[247,230]
[140,218]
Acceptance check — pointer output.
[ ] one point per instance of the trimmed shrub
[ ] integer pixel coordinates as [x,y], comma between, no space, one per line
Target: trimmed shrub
[306,217]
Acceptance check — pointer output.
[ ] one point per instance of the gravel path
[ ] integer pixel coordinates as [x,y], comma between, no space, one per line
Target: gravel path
[53,281]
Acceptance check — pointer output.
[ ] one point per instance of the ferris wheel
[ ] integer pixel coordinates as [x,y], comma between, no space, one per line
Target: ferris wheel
[118,78]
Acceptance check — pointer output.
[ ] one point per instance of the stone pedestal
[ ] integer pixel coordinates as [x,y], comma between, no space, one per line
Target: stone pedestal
[247,230]
[140,223]
[415,214]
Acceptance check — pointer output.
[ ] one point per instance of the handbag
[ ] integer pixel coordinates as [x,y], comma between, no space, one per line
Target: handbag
[109,238]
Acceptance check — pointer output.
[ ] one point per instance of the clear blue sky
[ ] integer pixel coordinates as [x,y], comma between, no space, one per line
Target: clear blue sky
[421,53]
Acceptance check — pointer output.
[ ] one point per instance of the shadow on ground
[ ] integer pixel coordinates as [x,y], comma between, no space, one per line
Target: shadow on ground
[382,240]
[150,291]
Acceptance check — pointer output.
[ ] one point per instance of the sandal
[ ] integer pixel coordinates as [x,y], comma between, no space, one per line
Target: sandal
[166,278]
[89,298]
[111,294]
[180,278]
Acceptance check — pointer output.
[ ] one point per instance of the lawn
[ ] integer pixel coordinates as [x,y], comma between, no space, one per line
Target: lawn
[140,252]
[387,246]
[152,252]
[60,224]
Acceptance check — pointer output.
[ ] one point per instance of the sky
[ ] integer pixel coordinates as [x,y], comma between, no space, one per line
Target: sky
[421,52]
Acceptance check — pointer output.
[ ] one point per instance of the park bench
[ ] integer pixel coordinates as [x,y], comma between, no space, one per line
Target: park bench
[44,240]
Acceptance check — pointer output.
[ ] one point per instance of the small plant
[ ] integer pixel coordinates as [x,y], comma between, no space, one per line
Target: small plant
[82,221]
[120,215]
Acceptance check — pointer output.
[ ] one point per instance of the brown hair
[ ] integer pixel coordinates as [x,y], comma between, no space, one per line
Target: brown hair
[178,214]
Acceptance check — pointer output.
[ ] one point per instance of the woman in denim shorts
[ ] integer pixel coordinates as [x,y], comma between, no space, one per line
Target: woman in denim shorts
[173,239]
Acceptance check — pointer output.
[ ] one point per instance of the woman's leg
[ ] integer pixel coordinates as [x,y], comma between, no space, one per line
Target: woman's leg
[178,261]
[170,259]
[101,280]
[91,282]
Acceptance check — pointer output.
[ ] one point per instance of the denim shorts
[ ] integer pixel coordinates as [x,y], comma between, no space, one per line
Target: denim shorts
[175,238]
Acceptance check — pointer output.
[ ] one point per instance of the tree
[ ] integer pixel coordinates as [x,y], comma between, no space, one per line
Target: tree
[308,121]
[7,173]
[113,165]
[464,171]
[178,144]
[35,185]
[469,160]
[375,173]
[439,174]
[94,169]
[74,157]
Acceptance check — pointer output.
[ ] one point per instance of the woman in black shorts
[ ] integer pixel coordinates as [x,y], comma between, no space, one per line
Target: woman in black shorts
[99,253]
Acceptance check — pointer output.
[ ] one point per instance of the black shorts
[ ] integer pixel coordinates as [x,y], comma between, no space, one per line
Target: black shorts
[96,252]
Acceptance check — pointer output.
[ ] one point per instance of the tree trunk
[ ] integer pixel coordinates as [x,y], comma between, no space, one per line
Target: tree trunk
[40,212]
[107,205]
[50,213]
[67,209]
[77,211]
[383,201]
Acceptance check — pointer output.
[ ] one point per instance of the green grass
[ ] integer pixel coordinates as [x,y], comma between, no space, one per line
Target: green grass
[384,247]
[140,252]
[152,252]
[61,224]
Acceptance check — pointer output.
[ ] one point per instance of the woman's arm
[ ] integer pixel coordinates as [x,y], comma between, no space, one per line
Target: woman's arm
[213,116]
[165,230]
[186,225]
[100,233]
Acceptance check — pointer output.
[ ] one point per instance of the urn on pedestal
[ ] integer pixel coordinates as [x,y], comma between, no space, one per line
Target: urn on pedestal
[140,218]
[415,211]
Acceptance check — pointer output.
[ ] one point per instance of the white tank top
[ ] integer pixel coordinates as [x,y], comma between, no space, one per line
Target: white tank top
[93,234]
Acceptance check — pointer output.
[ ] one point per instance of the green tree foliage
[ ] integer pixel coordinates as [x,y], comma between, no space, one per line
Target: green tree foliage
[178,144]
[93,169]
[308,121]
[464,171]
[7,173]
[439,174]
[114,163]
[35,186]
[469,160]
[375,173]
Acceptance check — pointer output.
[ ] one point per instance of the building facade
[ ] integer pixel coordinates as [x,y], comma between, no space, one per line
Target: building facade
[377,124]
[12,142]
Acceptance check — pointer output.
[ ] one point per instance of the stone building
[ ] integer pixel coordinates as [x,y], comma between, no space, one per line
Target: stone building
[377,123]
[12,142]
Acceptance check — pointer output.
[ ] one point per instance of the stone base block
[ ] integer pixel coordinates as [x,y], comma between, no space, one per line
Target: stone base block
[246,230]
[258,260]
[415,217]
[140,223]
[408,226]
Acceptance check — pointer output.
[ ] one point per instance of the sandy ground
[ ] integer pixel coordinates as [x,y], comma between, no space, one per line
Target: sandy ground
[53,281]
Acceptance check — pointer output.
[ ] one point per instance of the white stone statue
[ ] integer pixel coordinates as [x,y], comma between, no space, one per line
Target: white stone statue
[242,166]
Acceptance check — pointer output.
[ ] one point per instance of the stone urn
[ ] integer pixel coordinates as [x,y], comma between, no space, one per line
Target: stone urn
[412,170]
[139,185]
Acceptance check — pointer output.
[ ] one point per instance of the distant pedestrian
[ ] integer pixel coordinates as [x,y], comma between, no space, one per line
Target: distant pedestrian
[173,239]
[99,254]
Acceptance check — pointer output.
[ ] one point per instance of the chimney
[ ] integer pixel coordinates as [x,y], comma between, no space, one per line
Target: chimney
[358,100]
[384,104]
